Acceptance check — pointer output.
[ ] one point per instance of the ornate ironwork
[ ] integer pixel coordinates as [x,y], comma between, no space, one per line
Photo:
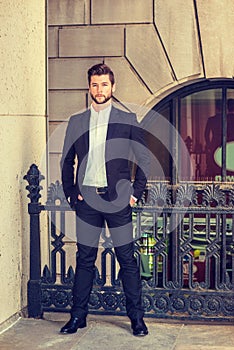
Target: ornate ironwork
[34,178]
[213,194]
[55,193]
[186,195]
[159,195]
[177,283]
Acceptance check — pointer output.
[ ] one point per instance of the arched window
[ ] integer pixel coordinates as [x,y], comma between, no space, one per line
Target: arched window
[191,134]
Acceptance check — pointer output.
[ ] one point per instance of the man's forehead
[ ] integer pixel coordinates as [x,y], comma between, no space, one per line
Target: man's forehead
[100,78]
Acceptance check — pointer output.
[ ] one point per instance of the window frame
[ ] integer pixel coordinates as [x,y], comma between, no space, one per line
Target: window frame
[173,101]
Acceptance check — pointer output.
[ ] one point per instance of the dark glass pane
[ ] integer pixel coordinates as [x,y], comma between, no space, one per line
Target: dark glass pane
[230,135]
[158,131]
[201,130]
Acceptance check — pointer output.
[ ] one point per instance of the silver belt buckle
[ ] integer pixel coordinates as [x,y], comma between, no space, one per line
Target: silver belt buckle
[101,190]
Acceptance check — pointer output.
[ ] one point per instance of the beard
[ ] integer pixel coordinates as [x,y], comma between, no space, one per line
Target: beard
[104,100]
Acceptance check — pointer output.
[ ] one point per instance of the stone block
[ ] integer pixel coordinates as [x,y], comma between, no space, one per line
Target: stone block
[22,143]
[129,87]
[62,12]
[121,11]
[145,52]
[69,73]
[216,26]
[23,60]
[62,104]
[178,32]
[53,42]
[54,172]
[91,41]
[56,136]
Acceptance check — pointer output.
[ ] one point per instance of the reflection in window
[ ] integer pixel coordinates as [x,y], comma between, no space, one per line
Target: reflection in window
[158,131]
[230,135]
[201,130]
[205,122]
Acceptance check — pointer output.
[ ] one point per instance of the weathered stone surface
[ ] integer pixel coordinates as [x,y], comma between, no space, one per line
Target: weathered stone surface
[22,143]
[70,73]
[104,332]
[53,42]
[62,104]
[145,52]
[129,88]
[22,138]
[175,21]
[54,166]
[121,11]
[211,337]
[63,12]
[56,136]
[216,20]
[91,41]
[22,57]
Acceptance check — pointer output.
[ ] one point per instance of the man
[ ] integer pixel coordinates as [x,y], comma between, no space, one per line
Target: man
[101,192]
[213,138]
[230,120]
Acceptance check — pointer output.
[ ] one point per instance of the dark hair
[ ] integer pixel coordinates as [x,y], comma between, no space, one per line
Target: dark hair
[101,69]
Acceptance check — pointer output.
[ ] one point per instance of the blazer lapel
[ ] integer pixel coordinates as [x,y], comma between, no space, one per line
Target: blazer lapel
[85,127]
[113,119]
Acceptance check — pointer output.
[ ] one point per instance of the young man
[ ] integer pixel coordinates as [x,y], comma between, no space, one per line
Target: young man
[104,140]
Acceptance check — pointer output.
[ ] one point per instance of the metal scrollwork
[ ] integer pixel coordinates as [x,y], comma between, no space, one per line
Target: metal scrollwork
[172,225]
[34,178]
[159,195]
[231,196]
[185,195]
[196,304]
[213,194]
[179,303]
[55,193]
[162,303]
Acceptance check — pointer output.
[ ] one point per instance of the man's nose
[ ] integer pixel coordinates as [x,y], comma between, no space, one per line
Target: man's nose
[99,88]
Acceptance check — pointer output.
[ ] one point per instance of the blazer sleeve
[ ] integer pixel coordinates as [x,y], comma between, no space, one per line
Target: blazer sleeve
[68,166]
[142,158]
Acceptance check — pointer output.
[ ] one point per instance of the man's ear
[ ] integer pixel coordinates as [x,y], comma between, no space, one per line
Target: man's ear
[113,88]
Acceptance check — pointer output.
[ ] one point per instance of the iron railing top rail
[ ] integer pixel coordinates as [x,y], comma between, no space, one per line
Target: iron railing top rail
[152,208]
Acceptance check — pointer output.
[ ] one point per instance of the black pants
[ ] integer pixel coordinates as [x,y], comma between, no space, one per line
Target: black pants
[90,221]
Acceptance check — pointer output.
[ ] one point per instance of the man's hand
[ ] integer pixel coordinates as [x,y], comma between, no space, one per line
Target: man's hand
[80,198]
[132,201]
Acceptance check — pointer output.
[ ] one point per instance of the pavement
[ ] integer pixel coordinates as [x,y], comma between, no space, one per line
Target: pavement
[114,332]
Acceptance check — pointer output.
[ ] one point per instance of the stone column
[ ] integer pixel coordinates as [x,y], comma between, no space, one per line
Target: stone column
[22,138]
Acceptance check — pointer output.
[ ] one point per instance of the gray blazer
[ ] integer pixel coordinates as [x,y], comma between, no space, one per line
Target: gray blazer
[125,149]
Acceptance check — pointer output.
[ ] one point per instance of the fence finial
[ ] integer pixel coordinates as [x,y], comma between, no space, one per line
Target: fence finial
[34,178]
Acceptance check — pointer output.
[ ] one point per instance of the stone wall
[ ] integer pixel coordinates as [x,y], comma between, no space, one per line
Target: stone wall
[152,46]
[23,140]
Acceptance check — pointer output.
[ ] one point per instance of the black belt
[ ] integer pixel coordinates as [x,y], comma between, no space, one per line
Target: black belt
[101,190]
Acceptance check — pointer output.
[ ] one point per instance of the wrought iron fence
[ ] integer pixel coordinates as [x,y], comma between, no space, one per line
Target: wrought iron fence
[184,239]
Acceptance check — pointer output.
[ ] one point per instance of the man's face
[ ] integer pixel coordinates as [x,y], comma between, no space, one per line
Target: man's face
[101,88]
